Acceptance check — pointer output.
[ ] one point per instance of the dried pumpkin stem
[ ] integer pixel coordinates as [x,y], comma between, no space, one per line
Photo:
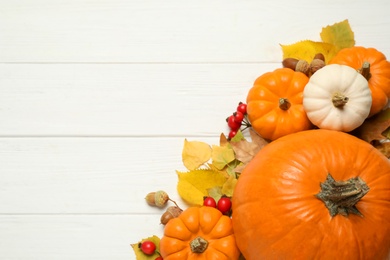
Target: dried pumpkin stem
[340,197]
[339,100]
[284,104]
[198,245]
[365,70]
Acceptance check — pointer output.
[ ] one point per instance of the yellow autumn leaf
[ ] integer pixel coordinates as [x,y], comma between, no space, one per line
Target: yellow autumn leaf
[339,34]
[222,156]
[307,49]
[140,255]
[195,154]
[194,185]
[228,186]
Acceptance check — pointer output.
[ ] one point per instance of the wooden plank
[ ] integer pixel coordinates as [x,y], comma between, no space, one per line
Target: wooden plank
[176,31]
[74,237]
[122,99]
[88,175]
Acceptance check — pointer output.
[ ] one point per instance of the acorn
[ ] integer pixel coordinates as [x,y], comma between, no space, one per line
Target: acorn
[158,198]
[297,65]
[170,213]
[317,63]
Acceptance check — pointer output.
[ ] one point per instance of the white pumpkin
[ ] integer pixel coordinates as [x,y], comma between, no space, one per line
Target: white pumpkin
[337,97]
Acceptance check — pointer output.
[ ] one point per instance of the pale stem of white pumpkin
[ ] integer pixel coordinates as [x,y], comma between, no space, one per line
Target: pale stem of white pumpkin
[198,245]
[339,99]
[284,104]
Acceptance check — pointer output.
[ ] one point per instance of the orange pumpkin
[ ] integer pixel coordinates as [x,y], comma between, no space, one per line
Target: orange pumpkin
[199,233]
[316,194]
[274,104]
[374,67]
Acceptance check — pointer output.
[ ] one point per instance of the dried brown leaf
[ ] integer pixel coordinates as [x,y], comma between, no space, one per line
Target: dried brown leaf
[245,150]
[257,139]
[383,147]
[373,128]
[223,140]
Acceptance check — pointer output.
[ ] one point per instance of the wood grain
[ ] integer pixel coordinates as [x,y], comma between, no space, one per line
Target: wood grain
[176,31]
[122,99]
[88,175]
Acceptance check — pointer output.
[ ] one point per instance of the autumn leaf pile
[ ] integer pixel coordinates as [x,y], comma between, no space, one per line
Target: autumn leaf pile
[213,170]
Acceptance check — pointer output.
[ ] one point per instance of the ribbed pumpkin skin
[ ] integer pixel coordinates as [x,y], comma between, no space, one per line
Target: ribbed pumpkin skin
[379,82]
[277,216]
[267,119]
[206,222]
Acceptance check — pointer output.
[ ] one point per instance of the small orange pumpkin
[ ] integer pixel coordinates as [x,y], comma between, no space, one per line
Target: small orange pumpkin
[316,194]
[374,67]
[199,233]
[274,104]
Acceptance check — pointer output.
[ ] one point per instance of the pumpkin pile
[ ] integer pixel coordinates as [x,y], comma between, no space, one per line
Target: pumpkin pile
[313,182]
[340,95]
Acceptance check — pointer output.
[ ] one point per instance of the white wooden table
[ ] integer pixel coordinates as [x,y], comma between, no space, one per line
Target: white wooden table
[97,96]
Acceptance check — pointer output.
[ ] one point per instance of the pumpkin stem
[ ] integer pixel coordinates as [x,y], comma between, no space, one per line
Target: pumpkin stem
[339,100]
[284,104]
[198,245]
[340,197]
[365,70]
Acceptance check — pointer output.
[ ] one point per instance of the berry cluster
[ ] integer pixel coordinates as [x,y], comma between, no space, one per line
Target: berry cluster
[238,119]
[224,204]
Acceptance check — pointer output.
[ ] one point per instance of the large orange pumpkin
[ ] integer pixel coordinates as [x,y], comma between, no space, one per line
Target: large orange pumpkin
[274,103]
[316,194]
[199,233]
[376,69]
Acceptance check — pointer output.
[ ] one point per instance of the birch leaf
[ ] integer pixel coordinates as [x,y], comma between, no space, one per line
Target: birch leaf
[195,154]
[307,49]
[194,185]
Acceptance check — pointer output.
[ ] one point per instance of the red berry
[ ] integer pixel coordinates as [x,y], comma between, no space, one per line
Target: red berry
[224,205]
[238,116]
[242,107]
[147,247]
[232,134]
[159,258]
[232,123]
[209,202]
